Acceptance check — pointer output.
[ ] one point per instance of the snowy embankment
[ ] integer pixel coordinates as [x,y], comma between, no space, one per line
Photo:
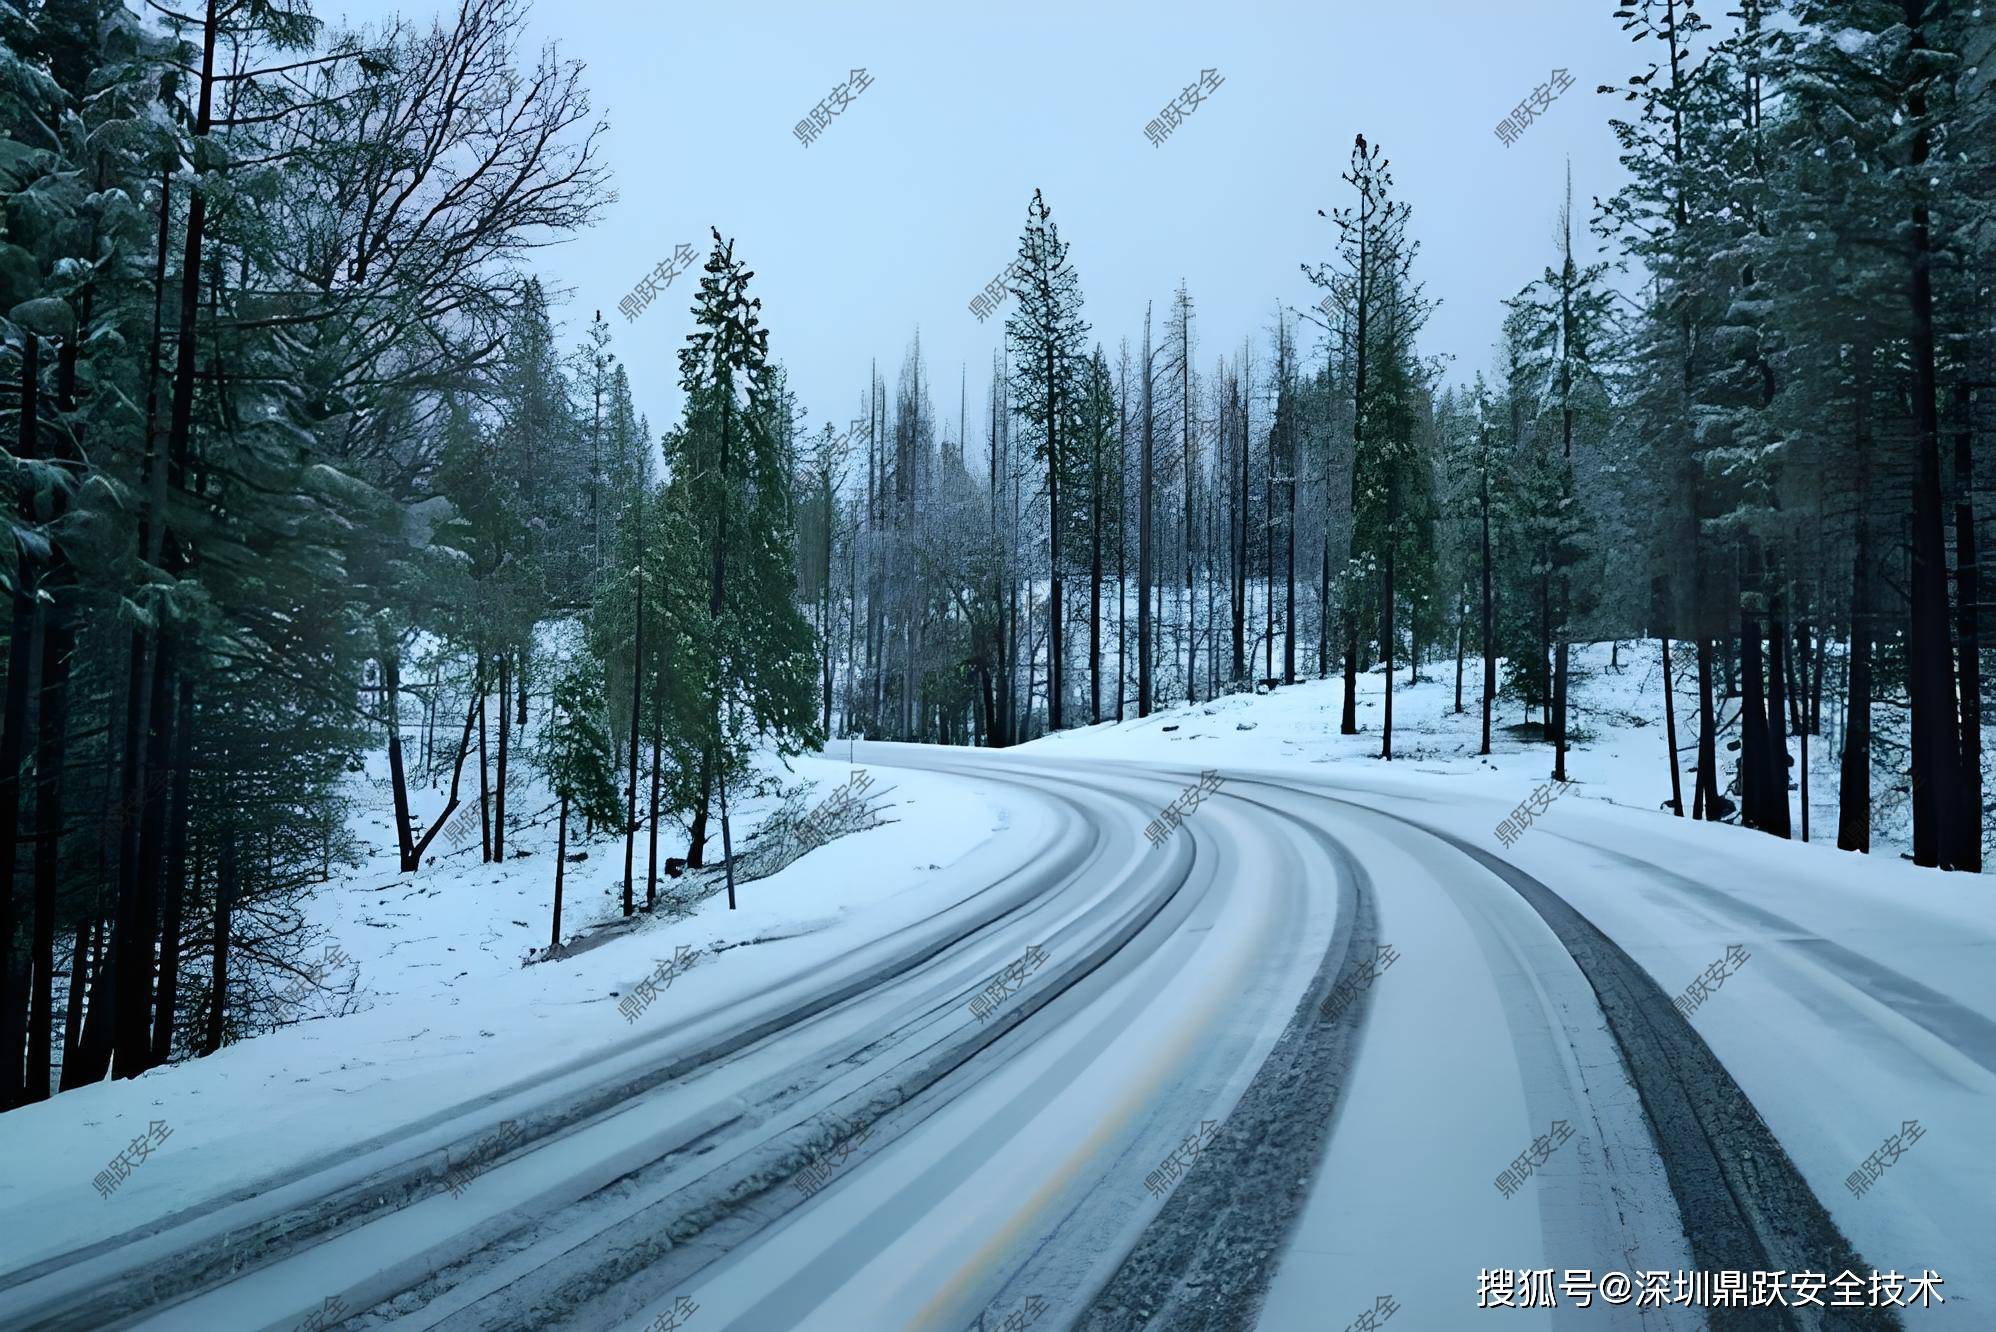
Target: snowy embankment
[1618,753]
[443,1010]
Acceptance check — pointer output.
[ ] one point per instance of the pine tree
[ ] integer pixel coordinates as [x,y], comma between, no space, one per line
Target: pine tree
[1045,341]
[731,464]
[573,754]
[1565,326]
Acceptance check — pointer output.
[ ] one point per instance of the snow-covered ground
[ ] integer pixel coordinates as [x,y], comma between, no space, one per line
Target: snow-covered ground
[445,1012]
[1619,752]
[1867,999]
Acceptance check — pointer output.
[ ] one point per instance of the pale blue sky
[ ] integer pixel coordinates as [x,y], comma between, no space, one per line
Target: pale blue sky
[913,198]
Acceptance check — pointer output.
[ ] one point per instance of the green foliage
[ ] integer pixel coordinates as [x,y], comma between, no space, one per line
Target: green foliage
[573,749]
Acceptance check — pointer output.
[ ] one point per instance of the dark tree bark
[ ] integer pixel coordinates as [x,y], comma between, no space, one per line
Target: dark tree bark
[1930,682]
[13,727]
[1146,466]
[89,939]
[391,698]
[1816,686]
[1754,768]
[175,887]
[637,725]
[1122,539]
[133,960]
[1348,719]
[225,897]
[1854,783]
[1705,791]
[1386,638]
[457,770]
[1670,731]
[560,861]
[696,847]
[1289,602]
[1191,490]
[499,773]
[58,643]
[824,620]
[1968,591]
[1775,776]
[133,1053]
[1239,536]
[657,755]
[91,1059]
[1854,779]
[1489,638]
[1461,648]
[484,771]
[1095,589]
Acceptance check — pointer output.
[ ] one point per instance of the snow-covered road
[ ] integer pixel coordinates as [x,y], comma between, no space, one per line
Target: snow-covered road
[856,1147]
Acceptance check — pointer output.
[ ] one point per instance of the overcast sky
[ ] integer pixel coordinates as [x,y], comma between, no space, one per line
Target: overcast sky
[913,197]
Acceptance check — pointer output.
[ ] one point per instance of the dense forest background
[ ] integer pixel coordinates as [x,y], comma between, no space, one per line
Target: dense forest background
[300,469]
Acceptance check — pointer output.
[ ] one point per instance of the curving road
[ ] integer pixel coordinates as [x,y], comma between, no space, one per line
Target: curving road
[1225,987]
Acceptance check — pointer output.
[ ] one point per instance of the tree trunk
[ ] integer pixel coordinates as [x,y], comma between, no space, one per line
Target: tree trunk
[132,1034]
[133,1053]
[499,773]
[1032,667]
[1816,686]
[391,698]
[1489,638]
[484,774]
[1705,791]
[51,753]
[1122,579]
[727,839]
[1460,625]
[1056,668]
[1095,592]
[1670,730]
[1144,555]
[175,887]
[1968,648]
[1559,679]
[457,772]
[696,847]
[1930,684]
[560,861]
[824,626]
[1776,778]
[1348,719]
[1241,550]
[13,738]
[1185,422]
[1386,637]
[92,1056]
[637,725]
[58,642]
[1754,767]
[89,939]
[1854,782]
[1289,596]
[225,897]
[657,756]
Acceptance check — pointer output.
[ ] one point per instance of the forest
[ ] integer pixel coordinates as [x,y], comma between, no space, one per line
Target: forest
[303,467]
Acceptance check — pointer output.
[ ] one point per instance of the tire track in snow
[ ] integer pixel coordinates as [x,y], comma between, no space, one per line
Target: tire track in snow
[1745,1205]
